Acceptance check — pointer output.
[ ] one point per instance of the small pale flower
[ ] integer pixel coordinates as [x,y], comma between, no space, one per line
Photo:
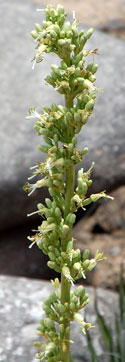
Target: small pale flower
[33,187]
[33,114]
[49,166]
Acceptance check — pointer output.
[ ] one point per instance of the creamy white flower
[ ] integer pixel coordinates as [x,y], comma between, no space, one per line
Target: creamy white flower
[49,166]
[34,114]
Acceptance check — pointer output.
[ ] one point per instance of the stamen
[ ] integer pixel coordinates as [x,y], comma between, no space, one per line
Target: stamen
[83,275]
[33,213]
[33,188]
[73,14]
[30,178]
[34,63]
[31,168]
[30,246]
[40,9]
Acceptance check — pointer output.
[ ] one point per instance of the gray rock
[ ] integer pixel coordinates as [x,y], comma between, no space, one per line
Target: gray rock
[22,87]
[21,311]
[17,259]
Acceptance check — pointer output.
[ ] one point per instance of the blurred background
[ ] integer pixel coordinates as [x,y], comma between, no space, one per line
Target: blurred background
[103,227]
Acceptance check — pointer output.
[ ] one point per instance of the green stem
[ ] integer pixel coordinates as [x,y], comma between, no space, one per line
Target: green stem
[65,285]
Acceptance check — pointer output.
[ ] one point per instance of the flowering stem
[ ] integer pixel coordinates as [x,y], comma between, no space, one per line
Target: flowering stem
[65,284]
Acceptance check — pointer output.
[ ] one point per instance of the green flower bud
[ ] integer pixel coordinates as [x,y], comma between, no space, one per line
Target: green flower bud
[77,254]
[61,308]
[60,260]
[89,183]
[61,329]
[69,116]
[51,264]
[92,78]
[50,347]
[94,68]
[56,183]
[52,256]
[87,201]
[89,106]
[86,254]
[84,299]
[64,230]
[34,34]
[77,58]
[74,299]
[89,66]
[77,117]
[38,27]
[84,151]
[49,323]
[77,267]
[43,148]
[62,34]
[92,264]
[79,291]
[78,317]
[69,246]
[53,297]
[56,28]
[60,9]
[89,33]
[48,203]
[72,306]
[86,264]
[50,80]
[56,252]
[70,147]
[57,212]
[68,34]
[67,26]
[72,219]
[87,84]
[49,213]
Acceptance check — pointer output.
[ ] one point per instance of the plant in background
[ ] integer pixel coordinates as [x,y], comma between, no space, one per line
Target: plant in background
[58,125]
[115,346]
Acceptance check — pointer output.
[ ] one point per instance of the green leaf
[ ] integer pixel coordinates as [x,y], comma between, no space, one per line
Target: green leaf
[91,347]
[122,296]
[118,343]
[106,333]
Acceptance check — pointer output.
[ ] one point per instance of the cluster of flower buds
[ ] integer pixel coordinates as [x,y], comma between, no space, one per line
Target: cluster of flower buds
[52,327]
[58,126]
[60,37]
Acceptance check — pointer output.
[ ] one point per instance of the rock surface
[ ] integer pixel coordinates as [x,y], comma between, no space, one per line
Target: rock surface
[21,311]
[22,88]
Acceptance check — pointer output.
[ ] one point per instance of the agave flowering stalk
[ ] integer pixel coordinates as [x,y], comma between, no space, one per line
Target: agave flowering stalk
[59,125]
